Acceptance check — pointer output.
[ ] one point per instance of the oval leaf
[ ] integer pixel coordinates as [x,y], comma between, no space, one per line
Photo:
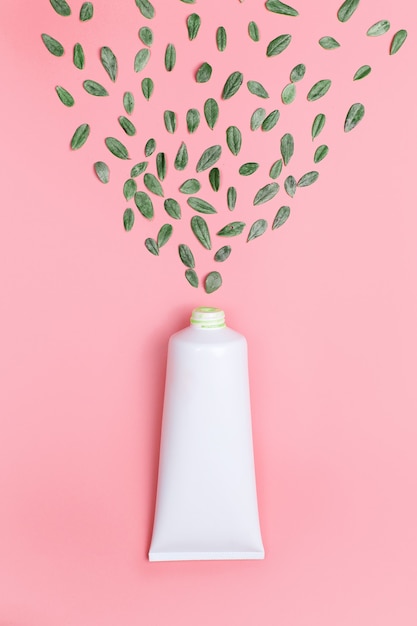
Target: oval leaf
[173,209]
[153,184]
[193,25]
[320,153]
[146,36]
[161,165]
[278,45]
[53,45]
[234,139]
[214,178]
[288,93]
[170,120]
[232,229]
[80,136]
[127,126]
[146,8]
[222,254]
[297,73]
[65,96]
[213,282]
[201,231]
[318,125]
[319,89]
[257,229]
[276,169]
[253,31]
[290,186]
[287,147]
[363,71]
[129,188]
[128,219]
[281,217]
[347,9]
[397,41]
[257,118]
[308,179]
[152,246]
[193,120]
[186,255]
[266,193]
[61,7]
[181,158]
[170,57]
[117,148]
[221,39]
[231,198]
[78,57]
[164,235]
[270,121]
[192,185]
[211,112]
[141,59]
[329,43]
[138,169]
[354,116]
[275,6]
[201,206]
[150,147]
[209,158]
[190,275]
[248,168]
[94,88]
[102,171]
[86,11]
[204,72]
[109,62]
[232,85]
[257,89]
[128,102]
[144,204]
[147,88]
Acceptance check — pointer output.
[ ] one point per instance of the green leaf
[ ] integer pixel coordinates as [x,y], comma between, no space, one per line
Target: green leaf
[201,206]
[146,36]
[102,171]
[363,71]
[308,179]
[61,7]
[181,159]
[193,120]
[329,43]
[279,7]
[297,73]
[141,59]
[128,219]
[80,136]
[128,102]
[276,169]
[129,188]
[278,45]
[231,198]
[257,118]
[170,120]
[290,185]
[234,139]
[232,229]
[222,254]
[193,25]
[209,158]
[116,148]
[186,255]
[287,147]
[138,169]
[190,275]
[153,184]
[86,11]
[201,231]
[257,89]
[146,8]
[213,282]
[147,88]
[354,116]
[170,57]
[257,229]
[397,41]
[152,246]
[189,1]
[109,62]
[232,85]
[320,153]
[347,9]
[253,31]
[214,178]
[150,147]
[94,88]
[53,45]
[127,126]
[173,209]
[318,125]
[288,93]
[144,204]
[248,168]
[65,96]
[164,235]
[78,57]
[161,165]
[319,89]
[191,185]
[281,217]
[204,72]
[270,121]
[221,39]
[211,112]
[266,193]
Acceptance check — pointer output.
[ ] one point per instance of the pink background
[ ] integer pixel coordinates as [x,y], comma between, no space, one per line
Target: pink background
[328,304]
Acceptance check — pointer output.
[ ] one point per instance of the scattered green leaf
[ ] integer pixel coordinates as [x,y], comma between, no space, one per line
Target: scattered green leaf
[191,185]
[65,96]
[253,31]
[181,159]
[146,36]
[141,59]
[191,275]
[161,165]
[116,148]
[201,206]
[209,158]
[80,136]
[61,7]
[257,118]
[152,246]
[94,88]
[170,120]
[234,139]
[146,8]
[297,73]
[170,57]
[232,229]
[266,193]
[248,168]
[276,169]
[193,120]
[173,209]
[213,282]
[211,112]
[287,147]
[144,204]
[397,41]
[288,93]
[109,62]
[221,39]
[204,72]
[329,43]
[347,9]
[363,71]
[257,89]
[318,125]
[320,153]
[222,254]
[78,57]
[290,186]
[308,179]
[53,45]
[129,188]
[214,178]
[147,88]
[270,121]
[128,102]
[231,198]
[278,45]
[102,171]
[354,116]
[150,147]
[138,169]
[127,126]
[232,85]
[319,89]
[86,11]
[257,229]
[193,25]
[153,184]
[201,231]
[281,217]
[186,255]
[128,219]
[164,235]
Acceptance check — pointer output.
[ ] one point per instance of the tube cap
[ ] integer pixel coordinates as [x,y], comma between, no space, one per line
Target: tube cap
[208,318]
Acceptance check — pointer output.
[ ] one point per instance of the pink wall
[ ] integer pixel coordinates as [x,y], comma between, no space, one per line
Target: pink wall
[328,304]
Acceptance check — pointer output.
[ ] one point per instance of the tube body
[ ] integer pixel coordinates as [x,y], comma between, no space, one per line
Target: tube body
[206,499]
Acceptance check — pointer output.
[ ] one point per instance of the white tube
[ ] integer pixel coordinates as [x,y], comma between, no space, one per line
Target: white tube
[206,504]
